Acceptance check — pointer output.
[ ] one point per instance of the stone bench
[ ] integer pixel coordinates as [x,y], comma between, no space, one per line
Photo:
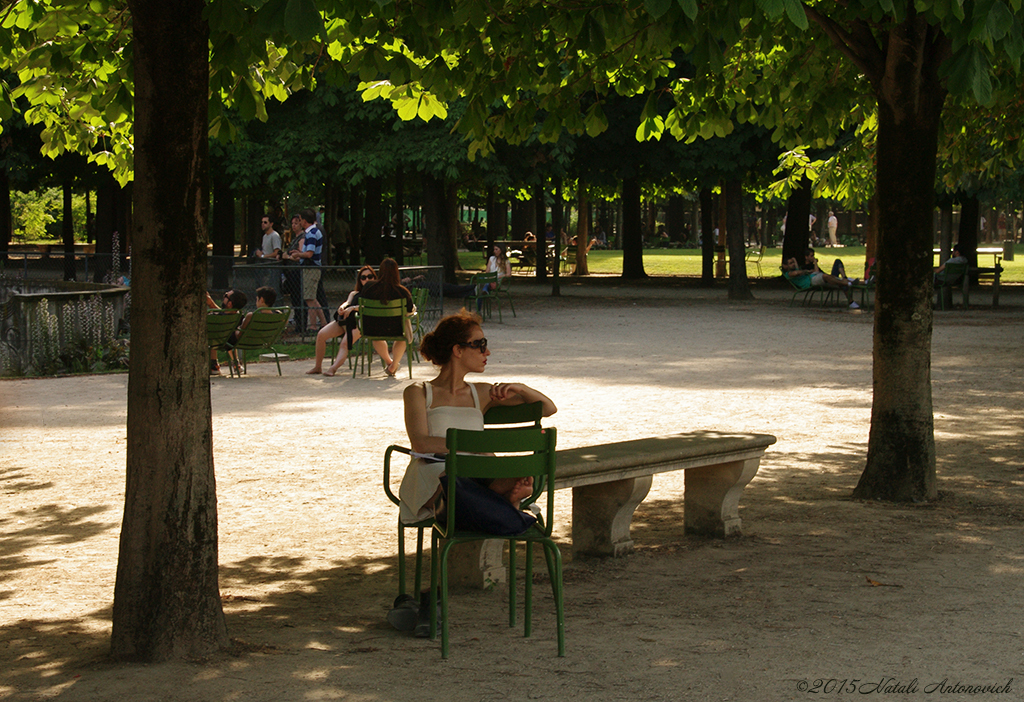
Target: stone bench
[609,481]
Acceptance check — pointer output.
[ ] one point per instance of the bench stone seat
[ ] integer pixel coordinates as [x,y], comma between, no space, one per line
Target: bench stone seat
[609,481]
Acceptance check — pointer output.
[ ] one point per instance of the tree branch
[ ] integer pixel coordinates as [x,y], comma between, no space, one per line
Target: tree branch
[859,45]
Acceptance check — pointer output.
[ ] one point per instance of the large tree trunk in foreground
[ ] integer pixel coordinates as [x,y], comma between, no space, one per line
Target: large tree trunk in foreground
[739,284]
[901,446]
[166,597]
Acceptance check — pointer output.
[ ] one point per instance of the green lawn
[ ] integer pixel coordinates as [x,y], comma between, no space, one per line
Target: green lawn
[688,262]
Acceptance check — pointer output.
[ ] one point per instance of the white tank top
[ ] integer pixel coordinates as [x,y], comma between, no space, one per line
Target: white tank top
[441,419]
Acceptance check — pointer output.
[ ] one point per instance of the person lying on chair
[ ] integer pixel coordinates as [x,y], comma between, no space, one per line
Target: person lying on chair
[813,277]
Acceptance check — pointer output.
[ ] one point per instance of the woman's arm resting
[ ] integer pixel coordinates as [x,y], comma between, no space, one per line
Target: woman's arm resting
[517,394]
[416,422]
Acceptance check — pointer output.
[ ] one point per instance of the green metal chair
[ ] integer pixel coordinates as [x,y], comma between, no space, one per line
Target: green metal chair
[380,309]
[808,293]
[220,325]
[499,453]
[264,329]
[499,414]
[483,295]
[755,256]
[504,289]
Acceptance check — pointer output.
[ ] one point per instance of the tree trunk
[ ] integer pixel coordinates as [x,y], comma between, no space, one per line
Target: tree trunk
[523,220]
[432,190]
[398,218]
[451,230]
[112,205]
[632,236]
[901,445]
[67,230]
[967,236]
[166,596]
[582,229]
[373,243]
[739,285]
[798,214]
[540,222]
[557,220]
[707,237]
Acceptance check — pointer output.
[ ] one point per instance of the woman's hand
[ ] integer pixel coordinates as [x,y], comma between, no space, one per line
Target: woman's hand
[517,393]
[500,392]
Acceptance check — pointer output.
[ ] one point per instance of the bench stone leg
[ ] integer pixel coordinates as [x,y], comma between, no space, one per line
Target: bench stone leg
[477,564]
[601,515]
[712,497]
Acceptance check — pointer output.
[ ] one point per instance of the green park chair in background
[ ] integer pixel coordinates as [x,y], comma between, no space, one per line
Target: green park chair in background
[220,325]
[379,309]
[483,295]
[263,331]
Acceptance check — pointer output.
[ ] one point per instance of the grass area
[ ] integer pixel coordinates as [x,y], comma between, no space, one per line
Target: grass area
[687,262]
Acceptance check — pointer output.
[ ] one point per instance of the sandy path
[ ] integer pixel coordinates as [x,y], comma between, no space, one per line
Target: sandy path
[307,540]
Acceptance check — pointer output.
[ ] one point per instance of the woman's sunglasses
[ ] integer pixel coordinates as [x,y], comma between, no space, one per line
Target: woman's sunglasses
[367,276]
[479,344]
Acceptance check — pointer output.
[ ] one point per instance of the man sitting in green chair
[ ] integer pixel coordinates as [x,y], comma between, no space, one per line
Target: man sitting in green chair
[944,277]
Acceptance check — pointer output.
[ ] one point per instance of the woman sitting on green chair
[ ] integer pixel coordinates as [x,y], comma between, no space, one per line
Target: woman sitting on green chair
[340,326]
[458,347]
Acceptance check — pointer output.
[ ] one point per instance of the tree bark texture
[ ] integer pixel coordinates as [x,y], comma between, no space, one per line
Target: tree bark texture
[166,596]
[632,236]
[739,285]
[901,445]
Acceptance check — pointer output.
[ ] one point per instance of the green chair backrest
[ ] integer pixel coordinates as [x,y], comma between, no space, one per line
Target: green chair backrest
[515,414]
[420,297]
[220,325]
[380,308]
[517,452]
[482,279]
[265,327]
[953,272]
